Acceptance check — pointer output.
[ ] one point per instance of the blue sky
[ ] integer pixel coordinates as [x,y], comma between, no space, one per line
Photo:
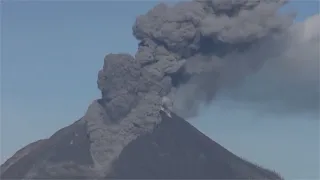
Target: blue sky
[51,53]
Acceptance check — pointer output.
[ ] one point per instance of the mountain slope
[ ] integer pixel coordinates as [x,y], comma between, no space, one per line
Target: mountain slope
[177,150]
[57,157]
[174,149]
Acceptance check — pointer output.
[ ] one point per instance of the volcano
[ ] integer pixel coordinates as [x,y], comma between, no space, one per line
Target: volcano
[164,153]
[186,53]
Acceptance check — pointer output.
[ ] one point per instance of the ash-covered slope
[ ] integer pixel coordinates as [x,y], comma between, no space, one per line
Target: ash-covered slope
[163,153]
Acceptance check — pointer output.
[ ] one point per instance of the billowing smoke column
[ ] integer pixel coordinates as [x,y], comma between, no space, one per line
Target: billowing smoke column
[188,51]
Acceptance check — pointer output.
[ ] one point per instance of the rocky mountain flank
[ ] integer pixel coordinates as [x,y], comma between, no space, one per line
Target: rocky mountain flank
[186,53]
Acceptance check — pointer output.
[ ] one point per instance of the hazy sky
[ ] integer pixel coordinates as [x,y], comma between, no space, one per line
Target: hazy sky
[51,53]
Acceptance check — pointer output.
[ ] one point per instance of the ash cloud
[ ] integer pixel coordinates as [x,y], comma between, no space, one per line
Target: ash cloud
[214,40]
[288,82]
[191,50]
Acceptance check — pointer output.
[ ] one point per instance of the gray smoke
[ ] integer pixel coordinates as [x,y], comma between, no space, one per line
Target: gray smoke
[278,105]
[187,52]
[190,50]
[289,81]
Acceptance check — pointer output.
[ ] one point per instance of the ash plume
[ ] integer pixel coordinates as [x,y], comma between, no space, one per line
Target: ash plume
[190,50]
[204,45]
[186,52]
[288,82]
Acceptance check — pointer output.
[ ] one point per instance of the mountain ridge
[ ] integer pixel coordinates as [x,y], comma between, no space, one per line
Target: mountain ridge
[57,157]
